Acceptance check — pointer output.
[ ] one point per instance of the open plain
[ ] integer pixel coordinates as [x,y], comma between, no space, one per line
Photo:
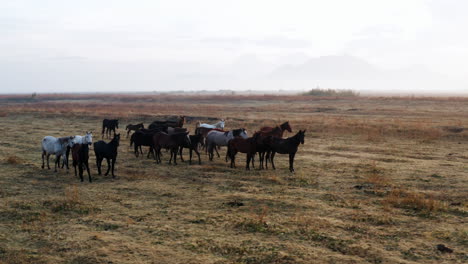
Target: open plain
[378,180]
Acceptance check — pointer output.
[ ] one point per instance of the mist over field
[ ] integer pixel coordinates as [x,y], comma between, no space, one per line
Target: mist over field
[370,47]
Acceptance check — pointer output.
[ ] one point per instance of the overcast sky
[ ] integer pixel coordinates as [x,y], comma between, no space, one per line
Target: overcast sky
[399,45]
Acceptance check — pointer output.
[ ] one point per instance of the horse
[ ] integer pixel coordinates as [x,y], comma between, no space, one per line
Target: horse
[131,127]
[140,138]
[217,138]
[175,130]
[204,132]
[286,146]
[168,123]
[172,142]
[86,139]
[109,125]
[80,156]
[248,146]
[282,127]
[193,146]
[219,125]
[262,145]
[55,146]
[108,151]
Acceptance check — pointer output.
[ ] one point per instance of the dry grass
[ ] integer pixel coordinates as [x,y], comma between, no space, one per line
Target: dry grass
[379,180]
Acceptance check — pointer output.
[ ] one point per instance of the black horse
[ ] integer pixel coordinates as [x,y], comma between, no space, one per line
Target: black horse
[140,138]
[136,127]
[108,151]
[109,125]
[80,155]
[286,146]
[195,140]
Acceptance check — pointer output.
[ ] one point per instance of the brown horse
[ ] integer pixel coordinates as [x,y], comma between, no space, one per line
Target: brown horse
[248,146]
[172,142]
[263,142]
[279,130]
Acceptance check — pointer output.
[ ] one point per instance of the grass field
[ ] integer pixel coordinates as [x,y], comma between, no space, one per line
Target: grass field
[378,180]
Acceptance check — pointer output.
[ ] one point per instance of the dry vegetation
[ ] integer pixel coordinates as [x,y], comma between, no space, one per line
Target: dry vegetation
[379,180]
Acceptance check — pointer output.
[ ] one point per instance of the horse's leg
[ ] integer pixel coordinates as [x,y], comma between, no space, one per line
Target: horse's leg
[174,153]
[48,155]
[272,157]
[128,132]
[249,157]
[87,169]
[198,154]
[216,149]
[57,160]
[113,166]
[98,164]
[80,169]
[253,160]
[108,166]
[180,154]
[74,167]
[291,162]
[43,154]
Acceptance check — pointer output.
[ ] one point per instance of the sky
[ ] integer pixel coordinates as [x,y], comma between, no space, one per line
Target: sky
[398,46]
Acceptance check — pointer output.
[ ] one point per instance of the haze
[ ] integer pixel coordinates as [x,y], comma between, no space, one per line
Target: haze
[406,47]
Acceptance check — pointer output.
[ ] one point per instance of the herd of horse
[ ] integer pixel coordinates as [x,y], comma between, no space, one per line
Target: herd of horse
[173,137]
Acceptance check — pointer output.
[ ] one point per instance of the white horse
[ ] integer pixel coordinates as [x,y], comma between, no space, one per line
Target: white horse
[218,138]
[55,146]
[86,139]
[219,125]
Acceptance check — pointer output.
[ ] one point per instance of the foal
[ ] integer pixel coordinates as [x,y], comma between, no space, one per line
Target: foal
[108,151]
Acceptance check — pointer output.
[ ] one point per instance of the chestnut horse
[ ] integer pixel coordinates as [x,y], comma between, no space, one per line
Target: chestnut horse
[248,146]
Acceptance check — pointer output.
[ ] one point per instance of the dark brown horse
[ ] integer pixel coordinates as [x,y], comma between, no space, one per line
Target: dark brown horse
[107,151]
[193,147]
[109,125]
[136,127]
[172,142]
[179,122]
[263,142]
[80,156]
[286,146]
[248,146]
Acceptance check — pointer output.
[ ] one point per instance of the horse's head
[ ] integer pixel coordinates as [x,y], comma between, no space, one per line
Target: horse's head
[187,140]
[116,123]
[128,126]
[116,139]
[221,124]
[70,141]
[301,135]
[88,138]
[241,132]
[286,126]
[181,120]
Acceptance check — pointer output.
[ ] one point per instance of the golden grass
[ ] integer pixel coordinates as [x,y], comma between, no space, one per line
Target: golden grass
[379,180]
